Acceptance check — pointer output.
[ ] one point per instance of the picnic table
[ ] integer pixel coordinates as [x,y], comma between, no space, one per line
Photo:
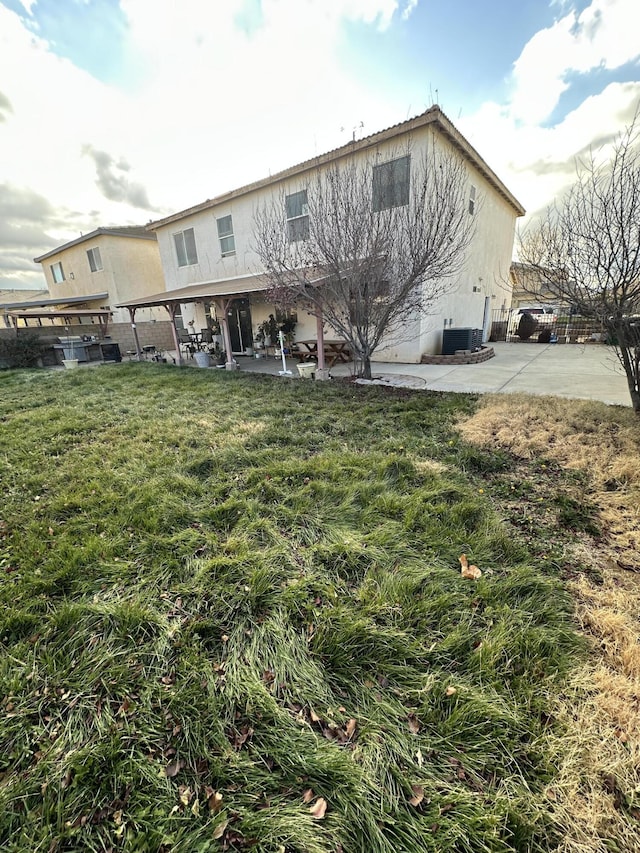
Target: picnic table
[335,352]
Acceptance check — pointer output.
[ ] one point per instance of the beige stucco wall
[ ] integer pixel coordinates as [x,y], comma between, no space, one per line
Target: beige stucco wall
[486,273]
[131,268]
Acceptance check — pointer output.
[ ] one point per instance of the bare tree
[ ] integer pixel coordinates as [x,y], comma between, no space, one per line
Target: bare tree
[586,249]
[373,246]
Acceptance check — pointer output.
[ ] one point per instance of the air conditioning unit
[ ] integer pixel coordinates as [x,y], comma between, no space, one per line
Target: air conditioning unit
[460,339]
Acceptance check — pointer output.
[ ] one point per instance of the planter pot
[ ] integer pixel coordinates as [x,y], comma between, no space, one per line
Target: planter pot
[202,359]
[322,374]
[306,369]
[70,363]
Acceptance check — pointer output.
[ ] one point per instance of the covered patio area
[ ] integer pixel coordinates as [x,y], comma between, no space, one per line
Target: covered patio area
[224,295]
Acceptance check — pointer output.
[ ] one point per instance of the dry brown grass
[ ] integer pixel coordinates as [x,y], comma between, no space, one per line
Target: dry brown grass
[596,795]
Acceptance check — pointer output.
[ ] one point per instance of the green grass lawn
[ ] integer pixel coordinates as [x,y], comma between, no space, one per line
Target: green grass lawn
[232,617]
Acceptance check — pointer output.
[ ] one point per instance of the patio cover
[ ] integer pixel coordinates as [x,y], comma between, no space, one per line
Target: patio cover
[60,301]
[223,290]
[224,287]
[68,316]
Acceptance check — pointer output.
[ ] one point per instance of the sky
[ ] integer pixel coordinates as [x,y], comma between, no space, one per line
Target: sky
[119,112]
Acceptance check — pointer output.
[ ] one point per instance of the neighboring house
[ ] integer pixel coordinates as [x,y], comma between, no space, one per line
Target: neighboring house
[8,296]
[528,288]
[94,273]
[11,299]
[211,267]
[106,266]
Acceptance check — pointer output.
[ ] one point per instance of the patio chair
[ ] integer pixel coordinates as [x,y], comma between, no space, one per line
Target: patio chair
[185,343]
[206,336]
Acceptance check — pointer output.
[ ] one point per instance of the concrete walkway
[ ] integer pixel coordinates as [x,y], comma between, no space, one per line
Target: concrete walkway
[589,372]
[586,372]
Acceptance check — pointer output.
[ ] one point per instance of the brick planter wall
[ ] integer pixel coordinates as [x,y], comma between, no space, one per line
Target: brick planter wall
[460,357]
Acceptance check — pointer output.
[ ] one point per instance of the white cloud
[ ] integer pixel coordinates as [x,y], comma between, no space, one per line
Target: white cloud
[210,107]
[601,36]
[212,104]
[27,5]
[537,159]
[408,9]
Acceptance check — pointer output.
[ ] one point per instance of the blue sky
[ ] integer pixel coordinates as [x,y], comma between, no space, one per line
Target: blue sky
[120,111]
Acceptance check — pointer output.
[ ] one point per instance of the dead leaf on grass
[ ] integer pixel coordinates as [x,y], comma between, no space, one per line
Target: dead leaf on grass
[450,691]
[214,799]
[467,571]
[308,795]
[174,768]
[185,794]
[351,727]
[220,829]
[319,809]
[414,725]
[418,795]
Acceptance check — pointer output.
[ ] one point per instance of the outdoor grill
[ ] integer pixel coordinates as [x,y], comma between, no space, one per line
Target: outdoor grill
[75,346]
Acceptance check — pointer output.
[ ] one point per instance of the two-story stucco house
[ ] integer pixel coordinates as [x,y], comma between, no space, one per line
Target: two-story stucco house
[211,266]
[97,271]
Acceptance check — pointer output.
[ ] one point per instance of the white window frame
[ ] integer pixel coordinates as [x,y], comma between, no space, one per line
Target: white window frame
[391,183]
[297,223]
[57,272]
[186,254]
[472,200]
[95,260]
[226,238]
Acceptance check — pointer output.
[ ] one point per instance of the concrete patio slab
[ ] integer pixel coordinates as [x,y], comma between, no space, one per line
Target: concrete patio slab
[586,372]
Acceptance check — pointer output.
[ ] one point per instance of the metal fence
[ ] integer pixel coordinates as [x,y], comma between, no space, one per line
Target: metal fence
[511,325]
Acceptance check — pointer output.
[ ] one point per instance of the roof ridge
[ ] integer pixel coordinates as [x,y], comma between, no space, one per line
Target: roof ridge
[433,115]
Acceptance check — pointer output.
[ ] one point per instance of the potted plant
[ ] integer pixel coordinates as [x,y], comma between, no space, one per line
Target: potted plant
[287,327]
[267,333]
[202,358]
[216,332]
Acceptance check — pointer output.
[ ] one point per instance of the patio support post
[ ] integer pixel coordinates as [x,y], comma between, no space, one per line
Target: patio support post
[171,308]
[222,306]
[322,372]
[132,314]
[320,338]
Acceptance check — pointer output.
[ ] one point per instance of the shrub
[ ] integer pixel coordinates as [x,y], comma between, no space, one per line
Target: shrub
[21,351]
[526,327]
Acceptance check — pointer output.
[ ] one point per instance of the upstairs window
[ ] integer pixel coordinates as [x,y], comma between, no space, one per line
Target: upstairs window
[186,247]
[472,200]
[95,261]
[297,216]
[391,183]
[225,235]
[57,273]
